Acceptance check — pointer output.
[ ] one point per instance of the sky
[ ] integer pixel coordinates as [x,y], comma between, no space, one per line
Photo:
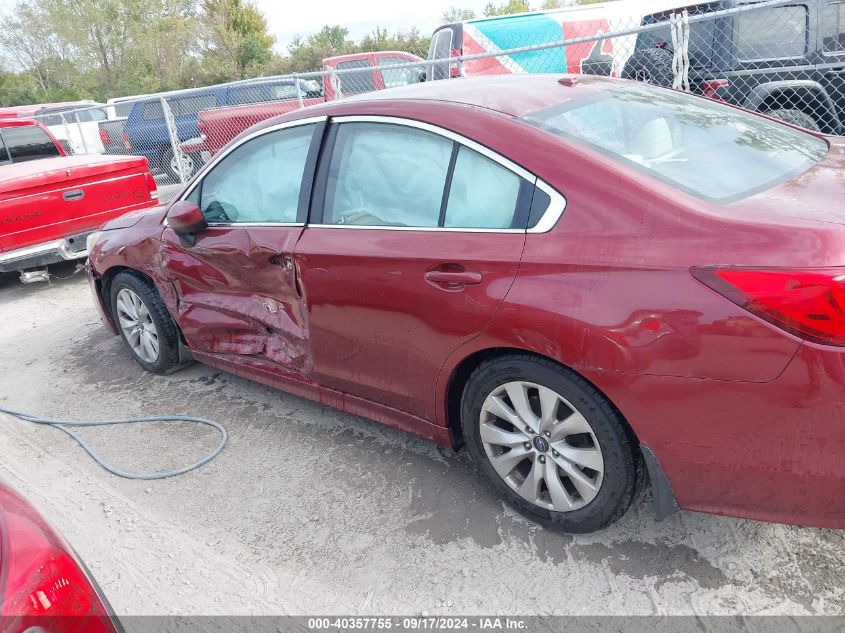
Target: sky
[288,19]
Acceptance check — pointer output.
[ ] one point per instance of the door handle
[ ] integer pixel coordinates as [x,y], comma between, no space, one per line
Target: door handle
[71,196]
[453,278]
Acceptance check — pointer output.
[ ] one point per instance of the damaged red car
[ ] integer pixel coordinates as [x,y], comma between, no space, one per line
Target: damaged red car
[590,283]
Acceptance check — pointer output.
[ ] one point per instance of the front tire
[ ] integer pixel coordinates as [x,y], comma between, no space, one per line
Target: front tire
[144,323]
[550,443]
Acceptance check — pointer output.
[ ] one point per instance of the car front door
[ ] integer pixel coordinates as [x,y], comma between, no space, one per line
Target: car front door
[236,286]
[414,240]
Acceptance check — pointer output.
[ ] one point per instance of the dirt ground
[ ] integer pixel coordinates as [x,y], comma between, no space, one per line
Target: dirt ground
[311,511]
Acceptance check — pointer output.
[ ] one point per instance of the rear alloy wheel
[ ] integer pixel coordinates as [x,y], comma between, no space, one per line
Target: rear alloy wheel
[145,325]
[550,443]
[541,446]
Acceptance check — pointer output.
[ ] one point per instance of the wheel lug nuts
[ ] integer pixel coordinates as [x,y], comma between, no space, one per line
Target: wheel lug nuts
[528,430]
[548,433]
[542,459]
[527,445]
[555,453]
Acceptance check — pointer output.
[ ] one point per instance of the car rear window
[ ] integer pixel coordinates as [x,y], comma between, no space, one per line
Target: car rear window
[707,149]
[28,142]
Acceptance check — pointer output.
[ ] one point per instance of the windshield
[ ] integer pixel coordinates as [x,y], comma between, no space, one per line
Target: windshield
[710,150]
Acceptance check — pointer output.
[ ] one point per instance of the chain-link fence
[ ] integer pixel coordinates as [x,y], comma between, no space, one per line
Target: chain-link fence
[780,57]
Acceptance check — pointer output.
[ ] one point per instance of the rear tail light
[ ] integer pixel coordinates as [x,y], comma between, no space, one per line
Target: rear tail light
[809,303]
[104,136]
[713,88]
[126,144]
[44,587]
[455,69]
[152,186]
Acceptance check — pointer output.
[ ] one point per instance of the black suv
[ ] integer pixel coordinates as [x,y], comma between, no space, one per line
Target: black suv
[786,61]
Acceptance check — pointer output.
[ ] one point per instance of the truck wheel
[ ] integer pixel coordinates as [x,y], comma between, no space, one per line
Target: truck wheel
[550,443]
[144,323]
[651,66]
[189,165]
[795,117]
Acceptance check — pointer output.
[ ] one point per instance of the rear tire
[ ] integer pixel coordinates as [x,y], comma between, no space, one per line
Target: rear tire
[144,324]
[583,448]
[795,117]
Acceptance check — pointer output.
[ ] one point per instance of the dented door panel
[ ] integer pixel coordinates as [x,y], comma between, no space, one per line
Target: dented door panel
[238,293]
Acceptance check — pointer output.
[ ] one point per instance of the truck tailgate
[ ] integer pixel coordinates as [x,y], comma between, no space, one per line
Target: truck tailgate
[49,199]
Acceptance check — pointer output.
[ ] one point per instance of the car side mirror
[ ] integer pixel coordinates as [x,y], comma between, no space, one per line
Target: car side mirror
[186,219]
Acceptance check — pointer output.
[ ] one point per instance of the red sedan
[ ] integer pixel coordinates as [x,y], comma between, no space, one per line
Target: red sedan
[587,281]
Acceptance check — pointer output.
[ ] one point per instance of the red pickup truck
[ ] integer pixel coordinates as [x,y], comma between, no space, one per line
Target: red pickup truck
[50,203]
[363,72]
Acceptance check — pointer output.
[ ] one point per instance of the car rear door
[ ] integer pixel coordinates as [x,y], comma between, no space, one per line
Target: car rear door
[414,240]
[236,286]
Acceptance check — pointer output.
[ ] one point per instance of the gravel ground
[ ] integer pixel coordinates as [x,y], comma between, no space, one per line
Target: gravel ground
[309,510]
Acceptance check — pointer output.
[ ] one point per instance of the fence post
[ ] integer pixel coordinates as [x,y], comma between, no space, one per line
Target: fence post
[174,139]
[81,133]
[67,133]
[298,90]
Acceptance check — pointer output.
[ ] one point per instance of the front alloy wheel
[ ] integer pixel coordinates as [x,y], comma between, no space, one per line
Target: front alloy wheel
[137,325]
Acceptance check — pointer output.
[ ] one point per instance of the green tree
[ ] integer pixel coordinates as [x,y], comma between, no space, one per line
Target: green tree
[507,8]
[456,14]
[237,44]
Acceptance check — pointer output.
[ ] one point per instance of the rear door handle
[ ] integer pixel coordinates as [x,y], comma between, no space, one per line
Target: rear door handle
[71,196]
[453,278]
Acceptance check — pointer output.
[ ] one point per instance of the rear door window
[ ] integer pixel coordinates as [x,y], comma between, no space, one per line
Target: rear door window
[373,180]
[29,142]
[191,105]
[778,33]
[833,28]
[261,93]
[394,77]
[356,82]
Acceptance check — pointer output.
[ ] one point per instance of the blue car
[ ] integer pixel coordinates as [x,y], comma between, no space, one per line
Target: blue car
[146,128]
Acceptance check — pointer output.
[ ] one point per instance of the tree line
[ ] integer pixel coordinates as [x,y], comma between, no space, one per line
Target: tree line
[66,50]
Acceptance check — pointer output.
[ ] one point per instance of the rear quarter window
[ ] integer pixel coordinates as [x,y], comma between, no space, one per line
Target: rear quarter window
[28,142]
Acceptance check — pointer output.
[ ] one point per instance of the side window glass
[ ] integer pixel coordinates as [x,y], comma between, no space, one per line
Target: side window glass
[394,77]
[833,27]
[4,153]
[374,180]
[259,181]
[29,142]
[756,39]
[353,83]
[483,194]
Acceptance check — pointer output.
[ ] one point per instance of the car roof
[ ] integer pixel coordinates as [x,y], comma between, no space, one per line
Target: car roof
[512,95]
[17,122]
